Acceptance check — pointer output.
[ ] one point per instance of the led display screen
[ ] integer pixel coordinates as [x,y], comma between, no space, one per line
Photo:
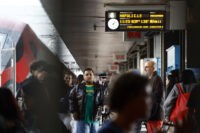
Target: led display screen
[134,20]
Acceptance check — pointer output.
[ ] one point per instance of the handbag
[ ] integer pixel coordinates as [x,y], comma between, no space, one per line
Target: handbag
[180,110]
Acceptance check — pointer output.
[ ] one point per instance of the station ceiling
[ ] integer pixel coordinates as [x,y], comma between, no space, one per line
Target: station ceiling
[75,20]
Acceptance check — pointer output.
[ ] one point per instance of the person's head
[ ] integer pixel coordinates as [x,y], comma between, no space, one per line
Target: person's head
[102,78]
[37,66]
[68,78]
[79,79]
[150,68]
[44,72]
[129,96]
[169,80]
[187,77]
[88,75]
[172,78]
[176,75]
[42,75]
[9,108]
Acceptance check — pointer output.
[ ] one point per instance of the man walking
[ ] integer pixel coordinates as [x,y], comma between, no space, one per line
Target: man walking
[157,91]
[86,101]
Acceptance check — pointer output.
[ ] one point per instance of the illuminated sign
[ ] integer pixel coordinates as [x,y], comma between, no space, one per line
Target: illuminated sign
[119,57]
[135,20]
[133,36]
[113,68]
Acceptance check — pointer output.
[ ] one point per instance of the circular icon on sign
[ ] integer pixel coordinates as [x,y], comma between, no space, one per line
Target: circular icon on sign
[113,24]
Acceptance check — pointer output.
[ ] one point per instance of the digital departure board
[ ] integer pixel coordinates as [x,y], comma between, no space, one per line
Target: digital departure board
[135,20]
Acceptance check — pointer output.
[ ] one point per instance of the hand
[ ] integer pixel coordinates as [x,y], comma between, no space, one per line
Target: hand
[167,120]
[105,109]
[75,116]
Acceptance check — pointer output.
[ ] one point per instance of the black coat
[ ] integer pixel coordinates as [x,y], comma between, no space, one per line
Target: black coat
[77,101]
[157,97]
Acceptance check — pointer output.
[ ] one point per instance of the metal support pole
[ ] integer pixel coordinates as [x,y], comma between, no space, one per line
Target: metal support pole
[186,48]
[0,64]
[148,49]
[162,56]
[182,48]
[14,68]
[138,60]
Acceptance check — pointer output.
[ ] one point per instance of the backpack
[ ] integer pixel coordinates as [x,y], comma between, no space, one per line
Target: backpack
[180,110]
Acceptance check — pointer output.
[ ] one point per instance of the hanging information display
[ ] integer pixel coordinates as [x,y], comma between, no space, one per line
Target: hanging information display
[134,20]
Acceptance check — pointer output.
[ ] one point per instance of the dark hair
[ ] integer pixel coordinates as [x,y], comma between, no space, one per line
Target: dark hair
[35,90]
[176,75]
[173,78]
[88,69]
[38,64]
[102,75]
[31,88]
[126,87]
[9,108]
[188,77]
[80,78]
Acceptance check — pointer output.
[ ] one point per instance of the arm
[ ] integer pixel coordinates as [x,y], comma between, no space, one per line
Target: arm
[170,101]
[72,100]
[158,90]
[100,96]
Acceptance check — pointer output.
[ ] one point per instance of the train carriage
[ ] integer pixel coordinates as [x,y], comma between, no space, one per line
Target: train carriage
[19,46]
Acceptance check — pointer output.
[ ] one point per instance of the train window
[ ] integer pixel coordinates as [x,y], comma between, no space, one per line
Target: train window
[2,39]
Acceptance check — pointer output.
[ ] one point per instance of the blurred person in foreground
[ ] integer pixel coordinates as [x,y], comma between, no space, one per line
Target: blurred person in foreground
[194,107]
[130,99]
[39,114]
[11,120]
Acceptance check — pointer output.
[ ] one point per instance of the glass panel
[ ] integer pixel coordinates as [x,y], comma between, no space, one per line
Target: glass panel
[7,63]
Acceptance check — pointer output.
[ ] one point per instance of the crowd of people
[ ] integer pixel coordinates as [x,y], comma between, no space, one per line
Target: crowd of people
[53,103]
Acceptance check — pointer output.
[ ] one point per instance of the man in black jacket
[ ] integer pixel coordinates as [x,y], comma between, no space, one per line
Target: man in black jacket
[157,91]
[86,101]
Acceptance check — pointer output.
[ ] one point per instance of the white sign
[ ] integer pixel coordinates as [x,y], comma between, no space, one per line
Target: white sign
[119,57]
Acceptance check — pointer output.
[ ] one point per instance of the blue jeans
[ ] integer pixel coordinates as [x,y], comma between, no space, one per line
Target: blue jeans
[84,127]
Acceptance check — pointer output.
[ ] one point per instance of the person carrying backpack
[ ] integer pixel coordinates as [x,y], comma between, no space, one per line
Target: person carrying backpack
[171,104]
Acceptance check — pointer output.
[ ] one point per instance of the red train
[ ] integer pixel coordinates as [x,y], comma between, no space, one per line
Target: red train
[19,47]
